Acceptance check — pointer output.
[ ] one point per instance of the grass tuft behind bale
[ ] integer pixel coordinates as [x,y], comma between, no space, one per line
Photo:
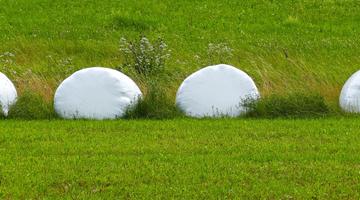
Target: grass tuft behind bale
[2,115]
[156,104]
[148,61]
[294,105]
[31,106]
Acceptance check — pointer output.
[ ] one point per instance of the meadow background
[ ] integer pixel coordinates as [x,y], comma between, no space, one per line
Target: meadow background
[286,46]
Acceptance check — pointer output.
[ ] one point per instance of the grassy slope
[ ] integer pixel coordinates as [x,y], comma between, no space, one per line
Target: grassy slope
[183,158]
[54,38]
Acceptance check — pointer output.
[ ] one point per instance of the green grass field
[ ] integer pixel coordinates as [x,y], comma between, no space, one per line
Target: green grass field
[286,46]
[183,158]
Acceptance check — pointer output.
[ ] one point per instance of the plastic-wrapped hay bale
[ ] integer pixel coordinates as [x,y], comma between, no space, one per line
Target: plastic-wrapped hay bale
[95,93]
[8,93]
[350,94]
[216,91]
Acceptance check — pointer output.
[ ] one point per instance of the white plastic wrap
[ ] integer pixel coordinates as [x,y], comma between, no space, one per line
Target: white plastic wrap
[95,93]
[216,91]
[350,94]
[8,93]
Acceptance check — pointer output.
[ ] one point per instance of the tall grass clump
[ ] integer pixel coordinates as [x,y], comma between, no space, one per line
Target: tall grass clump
[2,115]
[156,104]
[30,105]
[148,60]
[295,105]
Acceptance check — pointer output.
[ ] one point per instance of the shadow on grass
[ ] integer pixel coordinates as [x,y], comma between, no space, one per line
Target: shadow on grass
[122,23]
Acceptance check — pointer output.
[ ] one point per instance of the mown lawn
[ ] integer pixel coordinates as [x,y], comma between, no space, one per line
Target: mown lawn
[182,158]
